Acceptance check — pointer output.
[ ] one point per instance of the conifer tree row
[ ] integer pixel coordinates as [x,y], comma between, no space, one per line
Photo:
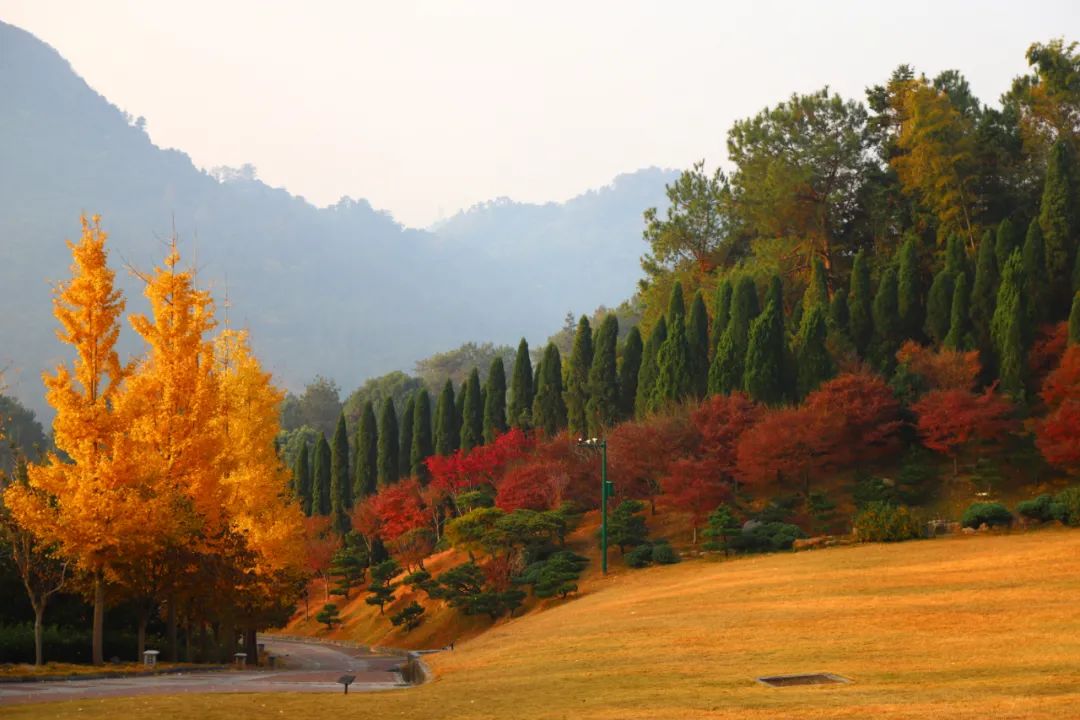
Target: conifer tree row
[341,499]
[697,346]
[549,409]
[422,447]
[495,401]
[673,366]
[519,411]
[646,380]
[405,431]
[365,477]
[321,500]
[629,368]
[388,444]
[446,425]
[472,414]
[577,378]
[302,479]
[602,409]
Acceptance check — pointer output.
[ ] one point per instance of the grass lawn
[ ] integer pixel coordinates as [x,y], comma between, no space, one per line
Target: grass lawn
[968,627]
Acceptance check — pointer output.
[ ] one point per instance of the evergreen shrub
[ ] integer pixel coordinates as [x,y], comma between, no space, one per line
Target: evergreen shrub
[990,513]
[885,522]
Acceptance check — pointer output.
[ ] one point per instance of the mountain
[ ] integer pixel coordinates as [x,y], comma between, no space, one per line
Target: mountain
[345,291]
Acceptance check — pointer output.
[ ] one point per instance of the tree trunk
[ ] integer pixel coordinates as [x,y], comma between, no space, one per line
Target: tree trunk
[204,648]
[143,618]
[187,640]
[97,642]
[251,647]
[39,633]
[171,624]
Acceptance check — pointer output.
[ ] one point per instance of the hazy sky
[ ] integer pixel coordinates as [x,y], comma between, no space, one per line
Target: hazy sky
[424,108]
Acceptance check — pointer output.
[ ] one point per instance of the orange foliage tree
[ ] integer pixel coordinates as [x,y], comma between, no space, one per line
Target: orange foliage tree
[950,421]
[1058,435]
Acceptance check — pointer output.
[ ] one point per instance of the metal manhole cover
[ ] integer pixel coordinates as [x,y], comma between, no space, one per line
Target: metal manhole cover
[811,679]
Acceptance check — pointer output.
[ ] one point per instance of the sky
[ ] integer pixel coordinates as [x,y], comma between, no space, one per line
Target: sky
[425,108]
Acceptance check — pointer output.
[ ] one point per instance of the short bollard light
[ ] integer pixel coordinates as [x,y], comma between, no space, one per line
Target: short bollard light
[150,658]
[346,680]
[240,659]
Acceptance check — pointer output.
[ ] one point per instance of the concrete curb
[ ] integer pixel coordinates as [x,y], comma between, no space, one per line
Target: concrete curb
[414,672]
[110,676]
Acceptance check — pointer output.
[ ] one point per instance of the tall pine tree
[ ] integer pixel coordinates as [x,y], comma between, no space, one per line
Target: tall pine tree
[697,345]
[602,410]
[472,414]
[839,319]
[647,374]
[549,410]
[495,401]
[365,478]
[817,290]
[814,364]
[1074,320]
[984,295]
[321,500]
[628,373]
[519,412]
[939,305]
[721,314]
[764,374]
[302,479]
[422,447]
[446,427]
[727,369]
[886,322]
[673,380]
[388,444]
[341,499]
[1007,328]
[1035,280]
[860,304]
[909,290]
[577,378]
[1060,223]
[1007,240]
[959,337]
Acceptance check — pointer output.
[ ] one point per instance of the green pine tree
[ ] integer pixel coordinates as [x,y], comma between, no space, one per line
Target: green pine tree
[472,414]
[959,337]
[939,305]
[1006,240]
[365,477]
[764,375]
[321,499]
[817,290]
[628,373]
[1035,280]
[647,373]
[1060,223]
[956,261]
[388,444]
[860,304]
[697,339]
[984,295]
[814,364]
[727,369]
[721,314]
[422,447]
[577,378]
[549,410]
[341,499]
[673,380]
[1076,272]
[886,322]
[302,479]
[1007,327]
[909,290]
[495,401]
[1074,320]
[839,318]
[521,389]
[602,410]
[446,427]
[405,428]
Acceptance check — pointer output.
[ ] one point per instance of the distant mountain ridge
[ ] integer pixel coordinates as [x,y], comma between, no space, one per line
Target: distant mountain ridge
[345,291]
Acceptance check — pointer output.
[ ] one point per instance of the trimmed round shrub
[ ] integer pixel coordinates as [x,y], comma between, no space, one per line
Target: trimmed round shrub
[989,513]
[1040,509]
[1067,506]
[885,522]
[640,556]
[664,554]
[766,537]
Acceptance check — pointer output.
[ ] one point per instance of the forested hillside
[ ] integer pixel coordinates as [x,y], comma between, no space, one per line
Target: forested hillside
[344,291]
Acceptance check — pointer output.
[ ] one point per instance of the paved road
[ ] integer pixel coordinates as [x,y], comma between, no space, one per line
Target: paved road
[308,667]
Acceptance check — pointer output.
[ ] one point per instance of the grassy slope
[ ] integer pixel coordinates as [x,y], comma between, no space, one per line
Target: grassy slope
[981,626]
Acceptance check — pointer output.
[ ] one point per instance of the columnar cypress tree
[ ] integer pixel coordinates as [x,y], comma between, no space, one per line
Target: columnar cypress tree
[459,408]
[446,429]
[519,413]
[365,478]
[984,293]
[697,345]
[495,401]
[577,378]
[321,501]
[815,365]
[1007,240]
[628,373]
[1074,320]
[860,304]
[1007,327]
[421,448]
[549,409]
[1035,280]
[647,374]
[302,479]
[673,381]
[721,313]
[939,306]
[959,337]
[956,261]
[817,290]
[909,290]
[839,318]
[602,410]
[388,444]
[1076,273]
[726,371]
[405,428]
[341,500]
[472,414]
[764,376]
[1060,222]
[886,321]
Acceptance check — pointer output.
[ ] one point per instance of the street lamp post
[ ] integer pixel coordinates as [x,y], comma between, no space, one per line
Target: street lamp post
[606,489]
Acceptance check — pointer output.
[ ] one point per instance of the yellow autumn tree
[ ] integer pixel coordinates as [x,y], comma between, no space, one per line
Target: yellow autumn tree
[937,160]
[90,503]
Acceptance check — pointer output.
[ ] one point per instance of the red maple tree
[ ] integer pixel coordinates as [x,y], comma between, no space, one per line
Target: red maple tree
[788,443]
[864,419]
[639,454]
[949,421]
[400,508]
[484,465]
[1058,435]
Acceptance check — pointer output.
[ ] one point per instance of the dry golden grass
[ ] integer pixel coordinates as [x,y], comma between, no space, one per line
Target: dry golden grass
[970,627]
